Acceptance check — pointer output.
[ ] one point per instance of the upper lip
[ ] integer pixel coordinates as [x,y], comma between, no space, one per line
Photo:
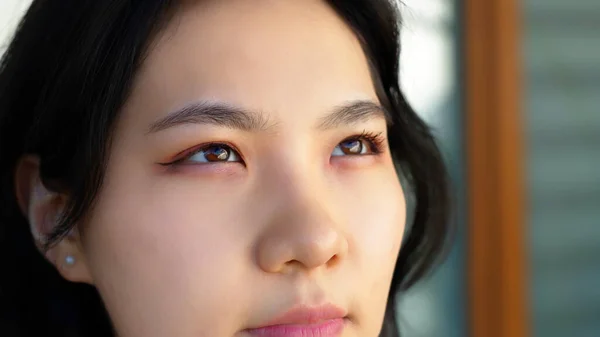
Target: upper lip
[303,314]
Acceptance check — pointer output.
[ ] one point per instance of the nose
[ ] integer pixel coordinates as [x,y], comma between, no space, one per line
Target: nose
[301,238]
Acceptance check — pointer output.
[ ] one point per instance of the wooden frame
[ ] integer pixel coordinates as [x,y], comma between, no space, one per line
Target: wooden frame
[496,243]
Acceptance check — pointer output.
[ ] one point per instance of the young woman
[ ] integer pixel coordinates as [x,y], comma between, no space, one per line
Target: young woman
[211,168]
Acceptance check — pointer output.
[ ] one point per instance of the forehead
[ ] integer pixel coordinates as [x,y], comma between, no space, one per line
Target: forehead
[285,57]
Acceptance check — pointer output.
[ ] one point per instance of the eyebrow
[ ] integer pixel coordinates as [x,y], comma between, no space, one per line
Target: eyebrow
[230,116]
[353,112]
[215,113]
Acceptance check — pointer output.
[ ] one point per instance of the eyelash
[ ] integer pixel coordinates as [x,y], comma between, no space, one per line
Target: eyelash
[375,142]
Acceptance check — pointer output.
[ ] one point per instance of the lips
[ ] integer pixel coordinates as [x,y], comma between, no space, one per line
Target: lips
[302,321]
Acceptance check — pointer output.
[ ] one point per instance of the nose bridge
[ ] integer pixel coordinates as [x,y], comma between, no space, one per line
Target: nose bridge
[301,230]
[296,185]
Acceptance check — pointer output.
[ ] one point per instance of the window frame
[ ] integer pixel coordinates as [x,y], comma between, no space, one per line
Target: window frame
[496,243]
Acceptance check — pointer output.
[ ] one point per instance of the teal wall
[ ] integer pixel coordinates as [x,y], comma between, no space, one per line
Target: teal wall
[562,104]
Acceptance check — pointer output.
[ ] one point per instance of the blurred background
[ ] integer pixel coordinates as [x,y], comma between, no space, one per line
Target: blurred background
[537,272]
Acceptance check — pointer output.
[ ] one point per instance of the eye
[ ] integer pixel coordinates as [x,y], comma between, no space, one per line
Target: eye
[365,144]
[213,153]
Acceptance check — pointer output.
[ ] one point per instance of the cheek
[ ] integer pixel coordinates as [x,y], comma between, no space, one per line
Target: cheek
[379,238]
[376,218]
[154,252]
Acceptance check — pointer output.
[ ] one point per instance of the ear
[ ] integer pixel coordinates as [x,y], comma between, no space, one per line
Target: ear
[43,209]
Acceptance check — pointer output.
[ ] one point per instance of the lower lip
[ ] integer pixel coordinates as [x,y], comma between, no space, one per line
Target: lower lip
[329,328]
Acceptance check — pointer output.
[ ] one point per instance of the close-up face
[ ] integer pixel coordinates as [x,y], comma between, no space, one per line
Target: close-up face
[250,189]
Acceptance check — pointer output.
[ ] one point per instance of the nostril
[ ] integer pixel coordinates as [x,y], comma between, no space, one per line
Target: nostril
[334,261]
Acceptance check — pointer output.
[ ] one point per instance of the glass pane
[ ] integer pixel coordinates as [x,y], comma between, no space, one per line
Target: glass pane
[562,73]
[428,73]
[10,14]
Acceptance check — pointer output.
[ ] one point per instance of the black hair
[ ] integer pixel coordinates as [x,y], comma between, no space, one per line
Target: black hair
[63,80]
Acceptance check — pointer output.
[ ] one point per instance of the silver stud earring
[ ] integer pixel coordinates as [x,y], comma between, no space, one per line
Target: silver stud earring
[69,260]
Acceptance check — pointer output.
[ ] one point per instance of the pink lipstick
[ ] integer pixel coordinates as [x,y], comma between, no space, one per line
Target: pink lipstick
[302,321]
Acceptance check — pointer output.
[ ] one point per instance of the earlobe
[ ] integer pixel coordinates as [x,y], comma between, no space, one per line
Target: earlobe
[67,256]
[43,209]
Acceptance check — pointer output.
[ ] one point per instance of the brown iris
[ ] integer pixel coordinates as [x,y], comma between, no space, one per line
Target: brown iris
[351,147]
[217,153]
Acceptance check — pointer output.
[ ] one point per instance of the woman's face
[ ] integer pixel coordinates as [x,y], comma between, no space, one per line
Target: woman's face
[245,181]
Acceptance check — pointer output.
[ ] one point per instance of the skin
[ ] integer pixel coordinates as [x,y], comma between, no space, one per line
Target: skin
[211,249]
